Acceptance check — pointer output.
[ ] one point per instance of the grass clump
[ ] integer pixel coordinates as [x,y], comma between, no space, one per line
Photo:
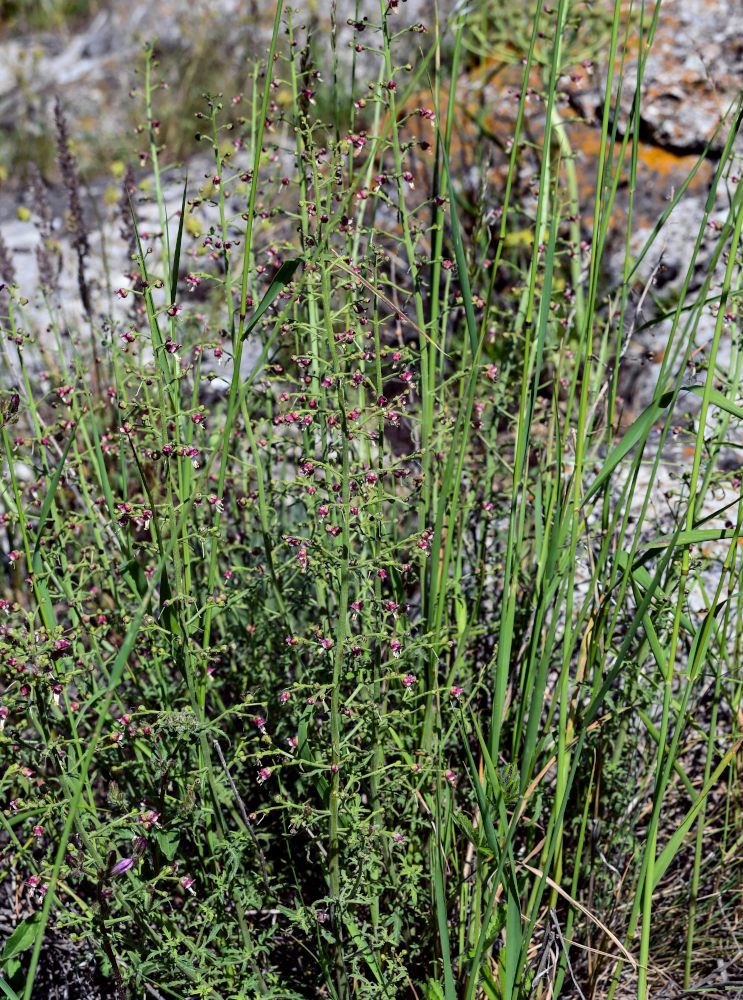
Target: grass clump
[347,651]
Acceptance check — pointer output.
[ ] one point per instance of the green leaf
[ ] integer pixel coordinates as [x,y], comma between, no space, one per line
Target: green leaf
[718,399]
[178,241]
[694,536]
[433,990]
[641,427]
[134,570]
[698,648]
[21,938]
[167,841]
[674,845]
[637,432]
[169,617]
[443,926]
[281,279]
[6,989]
[304,752]
[489,984]
[476,838]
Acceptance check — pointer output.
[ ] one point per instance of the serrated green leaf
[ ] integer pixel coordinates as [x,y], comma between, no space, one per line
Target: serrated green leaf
[489,984]
[433,990]
[465,825]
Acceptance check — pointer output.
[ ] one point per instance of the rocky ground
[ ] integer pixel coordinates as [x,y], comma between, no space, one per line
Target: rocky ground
[68,969]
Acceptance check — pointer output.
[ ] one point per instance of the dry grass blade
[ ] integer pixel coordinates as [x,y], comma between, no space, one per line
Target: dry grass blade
[583,909]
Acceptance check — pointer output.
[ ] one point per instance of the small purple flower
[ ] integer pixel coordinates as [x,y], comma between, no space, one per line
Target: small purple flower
[122,866]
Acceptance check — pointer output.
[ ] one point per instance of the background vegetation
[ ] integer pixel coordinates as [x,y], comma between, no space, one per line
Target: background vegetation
[347,649]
